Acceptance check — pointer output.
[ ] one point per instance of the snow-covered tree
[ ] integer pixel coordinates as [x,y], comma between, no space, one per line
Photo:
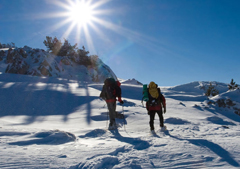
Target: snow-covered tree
[232,85]
[53,45]
[67,49]
[82,57]
[211,90]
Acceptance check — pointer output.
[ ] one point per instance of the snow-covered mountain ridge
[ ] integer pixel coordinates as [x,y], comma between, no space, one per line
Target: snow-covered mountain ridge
[226,98]
[38,62]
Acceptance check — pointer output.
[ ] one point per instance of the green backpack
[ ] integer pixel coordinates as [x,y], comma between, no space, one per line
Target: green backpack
[145,93]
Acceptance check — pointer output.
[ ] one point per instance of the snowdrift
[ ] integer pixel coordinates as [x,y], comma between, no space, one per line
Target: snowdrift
[52,137]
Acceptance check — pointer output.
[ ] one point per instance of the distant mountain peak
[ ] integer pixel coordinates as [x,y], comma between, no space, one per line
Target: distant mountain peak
[131,81]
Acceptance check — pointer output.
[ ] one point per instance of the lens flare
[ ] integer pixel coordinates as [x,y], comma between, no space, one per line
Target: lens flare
[81,13]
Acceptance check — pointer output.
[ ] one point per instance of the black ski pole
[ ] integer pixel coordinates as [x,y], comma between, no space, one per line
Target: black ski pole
[124,121]
[107,119]
[123,118]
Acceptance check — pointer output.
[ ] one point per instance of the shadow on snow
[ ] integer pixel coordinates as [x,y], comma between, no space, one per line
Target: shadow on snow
[35,96]
[137,143]
[218,150]
[220,121]
[176,121]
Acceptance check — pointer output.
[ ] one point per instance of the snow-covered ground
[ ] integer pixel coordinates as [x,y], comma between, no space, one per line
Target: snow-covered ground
[60,123]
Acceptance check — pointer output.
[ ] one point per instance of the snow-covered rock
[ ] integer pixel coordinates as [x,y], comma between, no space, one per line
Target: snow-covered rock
[229,99]
[38,62]
[131,82]
[200,87]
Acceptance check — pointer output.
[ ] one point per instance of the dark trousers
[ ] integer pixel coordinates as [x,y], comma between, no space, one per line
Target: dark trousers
[152,117]
[112,112]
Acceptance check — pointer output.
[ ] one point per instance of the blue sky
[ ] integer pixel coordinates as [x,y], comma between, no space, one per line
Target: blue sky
[170,42]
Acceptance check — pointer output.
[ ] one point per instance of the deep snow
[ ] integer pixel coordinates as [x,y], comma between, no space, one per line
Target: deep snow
[61,123]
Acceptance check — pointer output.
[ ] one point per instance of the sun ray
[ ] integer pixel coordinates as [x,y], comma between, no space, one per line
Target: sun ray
[64,5]
[101,12]
[59,25]
[57,15]
[79,29]
[134,36]
[98,31]
[89,40]
[99,3]
[110,26]
[123,31]
[69,30]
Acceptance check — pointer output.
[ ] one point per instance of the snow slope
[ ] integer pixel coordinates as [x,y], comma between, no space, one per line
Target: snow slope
[61,123]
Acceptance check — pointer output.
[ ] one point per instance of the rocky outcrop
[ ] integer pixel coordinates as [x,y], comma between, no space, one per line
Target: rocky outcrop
[18,67]
[222,103]
[237,111]
[10,56]
[225,103]
[37,62]
[66,61]
[2,54]
[16,61]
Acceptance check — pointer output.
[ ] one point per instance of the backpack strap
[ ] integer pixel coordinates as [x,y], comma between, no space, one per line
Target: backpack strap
[160,94]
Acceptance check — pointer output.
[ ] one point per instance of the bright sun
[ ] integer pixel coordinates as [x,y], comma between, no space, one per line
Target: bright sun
[84,14]
[81,13]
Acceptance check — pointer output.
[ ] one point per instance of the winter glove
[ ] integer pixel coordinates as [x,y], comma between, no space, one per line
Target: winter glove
[101,98]
[164,110]
[120,100]
[148,113]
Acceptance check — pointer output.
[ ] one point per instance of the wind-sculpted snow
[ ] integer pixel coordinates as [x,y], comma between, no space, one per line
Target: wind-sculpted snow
[222,153]
[94,133]
[136,142]
[101,162]
[53,137]
[176,121]
[61,123]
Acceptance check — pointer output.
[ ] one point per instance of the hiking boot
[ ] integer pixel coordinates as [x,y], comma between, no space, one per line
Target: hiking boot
[152,132]
[120,116]
[112,126]
[163,128]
